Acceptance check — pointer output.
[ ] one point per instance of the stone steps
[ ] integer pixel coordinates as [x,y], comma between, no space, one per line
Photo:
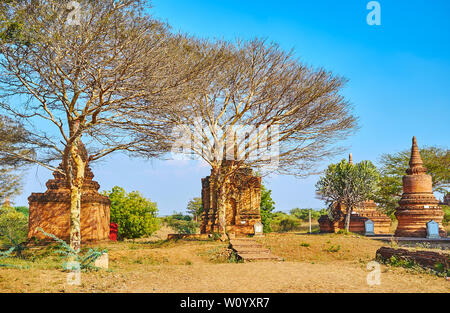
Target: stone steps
[249,257]
[250,250]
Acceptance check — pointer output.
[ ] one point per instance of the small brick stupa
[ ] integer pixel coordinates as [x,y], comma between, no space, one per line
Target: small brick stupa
[242,204]
[418,204]
[368,210]
[51,210]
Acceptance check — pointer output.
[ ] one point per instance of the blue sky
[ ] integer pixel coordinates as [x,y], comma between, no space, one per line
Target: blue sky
[398,75]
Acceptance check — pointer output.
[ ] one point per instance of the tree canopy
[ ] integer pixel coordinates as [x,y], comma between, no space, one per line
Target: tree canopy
[195,208]
[70,78]
[263,109]
[267,207]
[135,215]
[348,184]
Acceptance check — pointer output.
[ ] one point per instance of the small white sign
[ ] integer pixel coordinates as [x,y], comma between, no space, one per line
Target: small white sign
[369,227]
[258,227]
[433,230]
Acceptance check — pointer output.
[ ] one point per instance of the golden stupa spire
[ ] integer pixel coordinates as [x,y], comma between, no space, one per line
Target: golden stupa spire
[350,159]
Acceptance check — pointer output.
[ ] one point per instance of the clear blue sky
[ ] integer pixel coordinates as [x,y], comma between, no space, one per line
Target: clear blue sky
[398,71]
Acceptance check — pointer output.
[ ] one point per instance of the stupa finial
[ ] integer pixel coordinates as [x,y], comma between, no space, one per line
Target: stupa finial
[350,159]
[415,162]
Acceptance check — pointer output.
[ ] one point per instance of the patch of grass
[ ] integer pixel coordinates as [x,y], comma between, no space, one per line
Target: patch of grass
[305,244]
[393,243]
[289,246]
[161,243]
[234,258]
[333,248]
[414,267]
[219,254]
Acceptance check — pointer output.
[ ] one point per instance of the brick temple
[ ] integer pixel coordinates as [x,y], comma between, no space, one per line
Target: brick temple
[242,204]
[367,211]
[418,204]
[51,210]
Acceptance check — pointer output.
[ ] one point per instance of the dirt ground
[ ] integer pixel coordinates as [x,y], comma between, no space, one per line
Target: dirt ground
[313,263]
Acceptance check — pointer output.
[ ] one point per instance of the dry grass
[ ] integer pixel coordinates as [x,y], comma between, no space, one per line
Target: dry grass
[321,247]
[314,263]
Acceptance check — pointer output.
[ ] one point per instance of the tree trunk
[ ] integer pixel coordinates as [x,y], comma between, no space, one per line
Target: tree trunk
[347,219]
[221,199]
[76,185]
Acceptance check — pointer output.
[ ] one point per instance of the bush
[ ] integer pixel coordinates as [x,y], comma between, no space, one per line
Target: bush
[23,209]
[303,214]
[135,215]
[267,205]
[13,228]
[182,224]
[289,224]
[446,219]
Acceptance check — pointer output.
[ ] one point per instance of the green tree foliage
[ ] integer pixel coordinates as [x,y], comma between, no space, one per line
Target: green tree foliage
[349,184]
[13,229]
[393,167]
[267,206]
[135,215]
[446,210]
[23,209]
[11,25]
[195,208]
[303,214]
[182,224]
[289,223]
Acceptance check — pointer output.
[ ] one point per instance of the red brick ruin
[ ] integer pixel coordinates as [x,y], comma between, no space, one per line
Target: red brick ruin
[242,204]
[51,210]
[367,211]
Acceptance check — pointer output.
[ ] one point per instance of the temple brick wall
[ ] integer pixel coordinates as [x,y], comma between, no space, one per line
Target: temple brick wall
[368,210]
[242,208]
[51,210]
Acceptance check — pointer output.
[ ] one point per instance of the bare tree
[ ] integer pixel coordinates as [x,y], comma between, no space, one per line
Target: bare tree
[261,109]
[78,72]
[13,139]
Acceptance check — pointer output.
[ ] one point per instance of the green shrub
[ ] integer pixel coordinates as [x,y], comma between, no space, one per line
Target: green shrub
[334,248]
[13,228]
[182,224]
[446,219]
[267,206]
[289,224]
[183,227]
[23,209]
[303,214]
[135,215]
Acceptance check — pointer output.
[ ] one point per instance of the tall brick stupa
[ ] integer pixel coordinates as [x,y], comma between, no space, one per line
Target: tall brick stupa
[418,204]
